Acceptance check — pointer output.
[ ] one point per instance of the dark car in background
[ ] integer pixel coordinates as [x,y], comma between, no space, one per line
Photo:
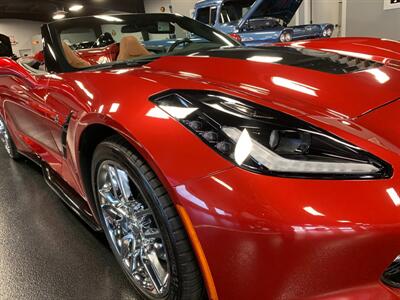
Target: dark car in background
[258,22]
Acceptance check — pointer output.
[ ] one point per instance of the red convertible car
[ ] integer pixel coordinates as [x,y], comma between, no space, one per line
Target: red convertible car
[215,170]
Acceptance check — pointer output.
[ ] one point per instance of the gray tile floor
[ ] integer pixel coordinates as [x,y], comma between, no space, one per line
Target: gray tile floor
[46,252]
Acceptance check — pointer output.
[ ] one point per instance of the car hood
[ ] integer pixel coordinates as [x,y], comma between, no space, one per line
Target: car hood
[301,81]
[283,9]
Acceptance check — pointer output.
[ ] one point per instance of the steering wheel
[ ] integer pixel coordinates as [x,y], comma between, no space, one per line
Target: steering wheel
[179,42]
[103,40]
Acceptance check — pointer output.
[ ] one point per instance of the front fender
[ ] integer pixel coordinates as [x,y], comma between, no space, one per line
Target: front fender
[158,139]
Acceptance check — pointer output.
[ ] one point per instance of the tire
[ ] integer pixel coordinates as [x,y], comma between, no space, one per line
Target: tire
[7,141]
[114,159]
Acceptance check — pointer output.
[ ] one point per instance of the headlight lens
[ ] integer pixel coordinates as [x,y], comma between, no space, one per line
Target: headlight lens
[266,141]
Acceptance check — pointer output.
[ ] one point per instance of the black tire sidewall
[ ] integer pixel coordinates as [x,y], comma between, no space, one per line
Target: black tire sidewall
[114,152]
[13,149]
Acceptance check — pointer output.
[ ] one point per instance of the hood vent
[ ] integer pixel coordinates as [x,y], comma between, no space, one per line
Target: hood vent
[350,64]
[323,61]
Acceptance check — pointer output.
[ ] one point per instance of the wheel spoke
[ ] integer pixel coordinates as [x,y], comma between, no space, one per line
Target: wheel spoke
[152,233]
[155,270]
[142,213]
[113,180]
[127,244]
[110,212]
[134,258]
[107,196]
[123,184]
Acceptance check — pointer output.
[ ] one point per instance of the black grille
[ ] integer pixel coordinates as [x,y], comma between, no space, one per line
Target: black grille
[391,276]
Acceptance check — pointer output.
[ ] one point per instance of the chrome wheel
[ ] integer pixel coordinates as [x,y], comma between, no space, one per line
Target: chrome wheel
[5,138]
[132,230]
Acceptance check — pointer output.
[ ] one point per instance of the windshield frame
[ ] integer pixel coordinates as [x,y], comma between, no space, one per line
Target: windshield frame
[52,46]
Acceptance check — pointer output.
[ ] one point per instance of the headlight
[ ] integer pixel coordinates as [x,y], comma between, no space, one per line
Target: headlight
[266,141]
[288,37]
[324,32]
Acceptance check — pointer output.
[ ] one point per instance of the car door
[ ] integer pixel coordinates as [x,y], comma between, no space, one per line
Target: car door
[36,116]
[298,31]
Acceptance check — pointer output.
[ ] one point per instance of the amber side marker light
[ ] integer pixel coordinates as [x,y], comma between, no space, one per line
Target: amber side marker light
[211,290]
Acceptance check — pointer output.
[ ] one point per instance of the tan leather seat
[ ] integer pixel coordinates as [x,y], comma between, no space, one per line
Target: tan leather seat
[73,59]
[130,47]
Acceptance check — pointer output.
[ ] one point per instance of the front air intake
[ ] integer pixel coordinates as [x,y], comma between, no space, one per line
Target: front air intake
[391,276]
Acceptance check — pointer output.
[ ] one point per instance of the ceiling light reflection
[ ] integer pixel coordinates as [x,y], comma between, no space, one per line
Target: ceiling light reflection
[295,86]
[254,89]
[188,74]
[108,18]
[122,71]
[313,211]
[114,107]
[84,89]
[394,196]
[190,197]
[222,212]
[379,75]
[224,184]
[265,59]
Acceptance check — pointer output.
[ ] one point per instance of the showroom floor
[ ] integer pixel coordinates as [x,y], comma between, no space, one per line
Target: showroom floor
[46,252]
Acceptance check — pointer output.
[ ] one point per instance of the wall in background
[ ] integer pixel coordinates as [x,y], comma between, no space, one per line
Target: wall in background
[183,7]
[368,18]
[153,6]
[22,31]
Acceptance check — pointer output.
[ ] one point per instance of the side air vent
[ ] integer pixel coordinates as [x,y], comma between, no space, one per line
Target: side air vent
[391,276]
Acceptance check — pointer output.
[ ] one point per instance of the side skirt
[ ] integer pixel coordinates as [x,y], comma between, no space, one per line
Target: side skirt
[68,195]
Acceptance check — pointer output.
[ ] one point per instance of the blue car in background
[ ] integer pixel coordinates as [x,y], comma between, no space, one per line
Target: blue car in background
[257,22]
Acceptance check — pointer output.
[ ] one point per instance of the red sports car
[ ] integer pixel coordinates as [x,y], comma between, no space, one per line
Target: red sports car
[213,169]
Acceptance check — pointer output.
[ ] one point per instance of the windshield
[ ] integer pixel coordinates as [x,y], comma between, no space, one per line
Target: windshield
[232,11]
[112,40]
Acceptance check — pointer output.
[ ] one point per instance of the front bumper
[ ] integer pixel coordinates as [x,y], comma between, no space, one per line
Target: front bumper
[277,238]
